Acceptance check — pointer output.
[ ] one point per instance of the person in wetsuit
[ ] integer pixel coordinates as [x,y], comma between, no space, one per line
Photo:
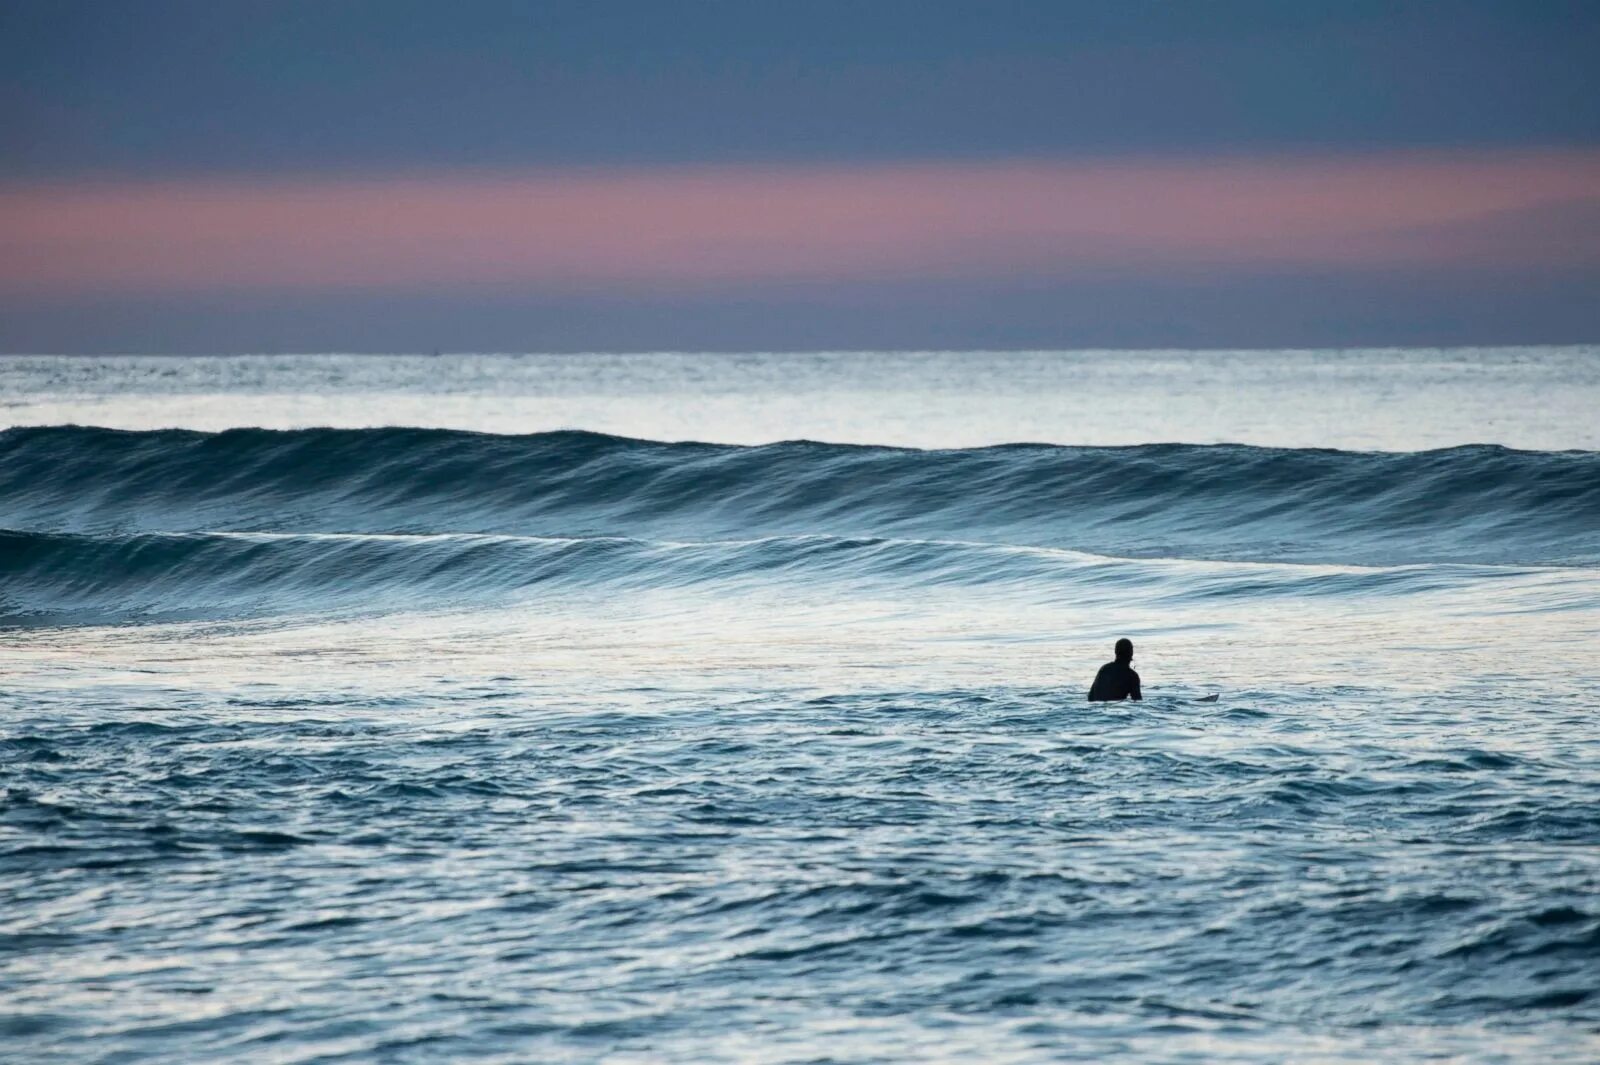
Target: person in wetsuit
[1116,680]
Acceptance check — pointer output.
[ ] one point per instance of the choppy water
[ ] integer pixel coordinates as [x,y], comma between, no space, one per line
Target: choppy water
[414,745]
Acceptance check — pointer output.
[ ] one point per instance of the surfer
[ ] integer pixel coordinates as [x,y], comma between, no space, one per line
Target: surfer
[1116,680]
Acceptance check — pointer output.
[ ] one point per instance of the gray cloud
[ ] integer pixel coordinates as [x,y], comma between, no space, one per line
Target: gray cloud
[166,88]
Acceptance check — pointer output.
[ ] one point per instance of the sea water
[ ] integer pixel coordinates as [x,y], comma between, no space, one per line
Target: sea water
[673,708]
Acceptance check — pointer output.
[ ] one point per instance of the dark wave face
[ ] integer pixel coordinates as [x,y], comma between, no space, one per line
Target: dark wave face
[108,525]
[1477,504]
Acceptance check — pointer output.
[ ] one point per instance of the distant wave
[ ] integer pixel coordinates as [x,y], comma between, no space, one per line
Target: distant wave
[1478,504]
[83,578]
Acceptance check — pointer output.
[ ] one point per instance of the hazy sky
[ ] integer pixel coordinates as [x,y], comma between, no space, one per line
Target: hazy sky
[556,176]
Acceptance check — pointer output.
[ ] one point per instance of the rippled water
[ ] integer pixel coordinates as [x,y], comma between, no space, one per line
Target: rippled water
[389,745]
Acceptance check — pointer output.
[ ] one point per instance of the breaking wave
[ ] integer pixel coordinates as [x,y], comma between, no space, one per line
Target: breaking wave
[1476,504]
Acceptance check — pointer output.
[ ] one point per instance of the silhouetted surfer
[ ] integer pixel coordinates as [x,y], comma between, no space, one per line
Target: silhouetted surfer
[1116,680]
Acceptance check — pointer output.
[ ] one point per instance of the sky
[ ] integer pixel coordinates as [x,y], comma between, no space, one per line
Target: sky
[763,175]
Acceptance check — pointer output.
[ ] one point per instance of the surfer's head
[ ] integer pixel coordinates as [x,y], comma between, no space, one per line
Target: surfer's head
[1124,650]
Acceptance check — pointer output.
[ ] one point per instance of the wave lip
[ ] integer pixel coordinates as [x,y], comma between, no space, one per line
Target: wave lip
[1477,504]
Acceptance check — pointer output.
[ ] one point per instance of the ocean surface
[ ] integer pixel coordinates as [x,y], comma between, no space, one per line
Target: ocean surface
[704,708]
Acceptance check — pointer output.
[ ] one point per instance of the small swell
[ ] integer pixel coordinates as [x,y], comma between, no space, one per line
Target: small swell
[80,578]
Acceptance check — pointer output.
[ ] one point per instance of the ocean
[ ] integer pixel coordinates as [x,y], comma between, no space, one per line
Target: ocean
[705,708]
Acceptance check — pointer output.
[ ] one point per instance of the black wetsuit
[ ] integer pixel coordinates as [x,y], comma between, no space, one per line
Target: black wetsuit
[1116,680]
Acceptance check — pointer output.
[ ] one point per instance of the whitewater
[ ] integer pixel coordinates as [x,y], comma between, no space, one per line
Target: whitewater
[700,708]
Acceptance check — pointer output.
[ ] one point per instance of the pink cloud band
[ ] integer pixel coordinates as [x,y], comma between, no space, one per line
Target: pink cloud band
[699,227]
